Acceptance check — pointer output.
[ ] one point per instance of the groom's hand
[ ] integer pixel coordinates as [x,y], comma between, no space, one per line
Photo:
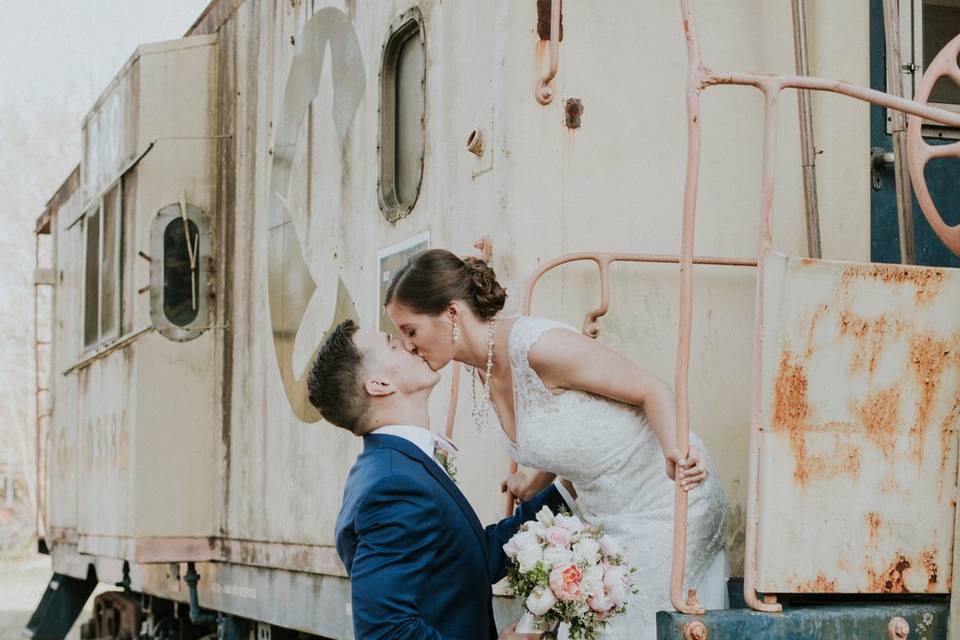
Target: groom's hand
[509,633]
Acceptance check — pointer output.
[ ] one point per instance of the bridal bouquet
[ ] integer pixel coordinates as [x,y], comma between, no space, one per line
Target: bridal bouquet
[567,571]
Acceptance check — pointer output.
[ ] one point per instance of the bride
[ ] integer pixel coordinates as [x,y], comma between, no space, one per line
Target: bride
[572,407]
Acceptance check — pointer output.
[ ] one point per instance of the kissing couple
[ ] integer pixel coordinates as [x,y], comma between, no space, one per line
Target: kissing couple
[420,563]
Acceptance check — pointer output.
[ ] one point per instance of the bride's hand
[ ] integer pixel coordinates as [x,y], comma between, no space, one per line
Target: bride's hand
[691,474]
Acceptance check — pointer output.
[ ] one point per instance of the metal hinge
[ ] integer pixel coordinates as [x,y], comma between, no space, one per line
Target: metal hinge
[909,68]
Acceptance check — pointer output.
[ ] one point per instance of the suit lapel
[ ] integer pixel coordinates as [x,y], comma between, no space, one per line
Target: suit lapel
[412,451]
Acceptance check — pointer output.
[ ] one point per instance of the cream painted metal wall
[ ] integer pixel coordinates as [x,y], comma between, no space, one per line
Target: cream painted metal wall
[265,484]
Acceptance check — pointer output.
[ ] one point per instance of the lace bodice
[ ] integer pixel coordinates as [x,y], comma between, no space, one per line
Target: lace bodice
[610,453]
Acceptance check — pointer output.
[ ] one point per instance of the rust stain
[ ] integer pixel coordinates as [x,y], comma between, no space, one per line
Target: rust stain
[880,414]
[819,585]
[845,459]
[870,337]
[791,409]
[928,358]
[890,580]
[928,559]
[873,522]
[812,332]
[926,280]
[946,436]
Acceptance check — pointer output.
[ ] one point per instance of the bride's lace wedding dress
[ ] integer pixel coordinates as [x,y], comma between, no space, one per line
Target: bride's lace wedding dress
[610,453]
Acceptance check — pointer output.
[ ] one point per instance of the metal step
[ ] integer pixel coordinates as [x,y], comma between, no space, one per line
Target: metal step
[59,607]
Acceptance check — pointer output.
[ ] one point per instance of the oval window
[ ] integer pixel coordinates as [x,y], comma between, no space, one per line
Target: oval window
[402,109]
[180,272]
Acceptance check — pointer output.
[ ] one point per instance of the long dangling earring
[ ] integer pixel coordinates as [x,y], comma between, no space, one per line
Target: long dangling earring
[456,331]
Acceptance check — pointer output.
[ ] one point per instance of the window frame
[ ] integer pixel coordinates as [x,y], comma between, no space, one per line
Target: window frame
[406,26]
[911,50]
[98,205]
[204,263]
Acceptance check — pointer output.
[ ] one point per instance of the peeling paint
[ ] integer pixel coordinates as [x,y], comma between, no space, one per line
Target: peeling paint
[890,580]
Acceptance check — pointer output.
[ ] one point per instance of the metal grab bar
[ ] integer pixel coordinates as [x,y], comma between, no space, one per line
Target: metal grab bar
[699,78]
[544,90]
[591,327]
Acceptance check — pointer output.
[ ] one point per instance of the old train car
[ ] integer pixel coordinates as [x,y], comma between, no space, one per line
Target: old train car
[245,187]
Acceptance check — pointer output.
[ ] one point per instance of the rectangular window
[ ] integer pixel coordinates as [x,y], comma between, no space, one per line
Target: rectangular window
[940,23]
[110,265]
[103,225]
[91,315]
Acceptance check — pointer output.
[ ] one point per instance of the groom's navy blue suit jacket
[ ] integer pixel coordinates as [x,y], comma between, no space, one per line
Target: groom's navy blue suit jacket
[420,563]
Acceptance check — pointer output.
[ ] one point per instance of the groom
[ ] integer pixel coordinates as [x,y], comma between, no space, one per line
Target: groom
[420,563]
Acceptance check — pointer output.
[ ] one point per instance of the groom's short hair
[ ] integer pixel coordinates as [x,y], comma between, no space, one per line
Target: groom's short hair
[336,380]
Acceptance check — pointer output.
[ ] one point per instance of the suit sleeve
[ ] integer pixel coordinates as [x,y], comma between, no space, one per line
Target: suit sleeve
[396,541]
[498,534]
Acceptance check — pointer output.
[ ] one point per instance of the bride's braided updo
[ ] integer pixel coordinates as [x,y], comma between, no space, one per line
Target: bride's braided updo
[434,278]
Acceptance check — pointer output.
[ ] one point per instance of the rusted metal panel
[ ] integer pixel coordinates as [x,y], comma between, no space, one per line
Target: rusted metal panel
[858,450]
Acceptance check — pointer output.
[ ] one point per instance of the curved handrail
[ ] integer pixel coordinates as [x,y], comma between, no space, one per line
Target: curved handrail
[603,260]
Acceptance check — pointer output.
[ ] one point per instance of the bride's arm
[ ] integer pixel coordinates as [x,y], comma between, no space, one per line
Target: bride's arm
[567,360]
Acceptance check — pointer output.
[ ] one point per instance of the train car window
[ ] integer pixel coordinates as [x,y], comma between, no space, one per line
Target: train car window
[402,109]
[91,277]
[103,226]
[110,289]
[940,24]
[181,285]
[179,288]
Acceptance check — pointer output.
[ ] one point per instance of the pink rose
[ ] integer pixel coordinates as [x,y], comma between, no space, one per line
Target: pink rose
[540,601]
[565,582]
[558,536]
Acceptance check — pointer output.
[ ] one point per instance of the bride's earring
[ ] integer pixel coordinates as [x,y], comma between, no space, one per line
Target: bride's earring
[456,331]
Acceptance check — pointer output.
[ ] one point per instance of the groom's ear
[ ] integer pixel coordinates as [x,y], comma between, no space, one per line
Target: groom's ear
[378,386]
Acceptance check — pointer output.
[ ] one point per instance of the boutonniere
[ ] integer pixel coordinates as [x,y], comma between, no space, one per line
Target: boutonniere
[445,452]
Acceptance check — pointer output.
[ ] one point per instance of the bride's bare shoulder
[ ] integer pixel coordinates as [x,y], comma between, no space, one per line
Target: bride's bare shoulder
[556,345]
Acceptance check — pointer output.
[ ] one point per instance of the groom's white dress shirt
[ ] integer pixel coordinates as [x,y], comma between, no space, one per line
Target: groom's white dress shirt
[424,440]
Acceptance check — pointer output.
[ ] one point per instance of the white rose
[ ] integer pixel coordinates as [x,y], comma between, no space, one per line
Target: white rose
[519,542]
[587,550]
[540,601]
[528,557]
[570,523]
[600,602]
[610,547]
[545,517]
[615,580]
[537,529]
[554,556]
